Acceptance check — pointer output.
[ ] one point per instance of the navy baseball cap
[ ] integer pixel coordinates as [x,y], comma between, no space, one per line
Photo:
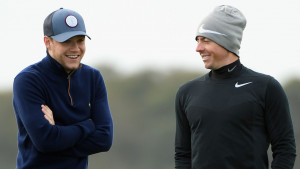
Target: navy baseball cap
[64,24]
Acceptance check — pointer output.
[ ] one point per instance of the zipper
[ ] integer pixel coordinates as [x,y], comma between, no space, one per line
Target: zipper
[69,88]
[69,84]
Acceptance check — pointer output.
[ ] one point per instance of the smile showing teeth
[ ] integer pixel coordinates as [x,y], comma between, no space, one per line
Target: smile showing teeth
[205,57]
[73,57]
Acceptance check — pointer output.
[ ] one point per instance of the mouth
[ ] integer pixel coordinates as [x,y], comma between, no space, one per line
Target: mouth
[204,58]
[73,56]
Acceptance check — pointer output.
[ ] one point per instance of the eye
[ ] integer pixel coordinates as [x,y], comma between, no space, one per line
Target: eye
[203,40]
[67,41]
[82,39]
[206,40]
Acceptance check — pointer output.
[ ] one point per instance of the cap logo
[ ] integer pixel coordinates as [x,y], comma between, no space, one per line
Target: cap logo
[202,30]
[71,21]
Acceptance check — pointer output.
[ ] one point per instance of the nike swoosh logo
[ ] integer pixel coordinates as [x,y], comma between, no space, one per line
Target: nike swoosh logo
[202,30]
[237,85]
[230,70]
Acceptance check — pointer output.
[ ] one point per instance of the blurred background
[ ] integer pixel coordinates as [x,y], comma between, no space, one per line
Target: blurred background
[142,106]
[145,50]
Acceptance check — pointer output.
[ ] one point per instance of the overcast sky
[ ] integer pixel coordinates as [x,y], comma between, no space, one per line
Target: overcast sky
[131,35]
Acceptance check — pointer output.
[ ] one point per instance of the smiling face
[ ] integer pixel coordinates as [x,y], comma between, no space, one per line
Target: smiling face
[213,55]
[68,53]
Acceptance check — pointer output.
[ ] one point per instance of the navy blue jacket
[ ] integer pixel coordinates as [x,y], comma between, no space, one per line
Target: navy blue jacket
[83,123]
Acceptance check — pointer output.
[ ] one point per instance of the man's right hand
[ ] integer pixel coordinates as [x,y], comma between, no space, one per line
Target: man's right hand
[48,114]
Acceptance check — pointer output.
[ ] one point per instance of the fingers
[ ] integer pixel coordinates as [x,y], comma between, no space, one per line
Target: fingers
[49,120]
[48,114]
[47,111]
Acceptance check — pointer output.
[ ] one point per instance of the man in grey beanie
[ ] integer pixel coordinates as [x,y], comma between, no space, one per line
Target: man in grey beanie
[227,118]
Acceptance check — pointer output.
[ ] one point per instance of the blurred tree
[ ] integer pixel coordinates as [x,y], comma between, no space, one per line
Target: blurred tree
[8,132]
[292,89]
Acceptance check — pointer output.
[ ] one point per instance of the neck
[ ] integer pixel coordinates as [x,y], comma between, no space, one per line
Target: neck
[226,71]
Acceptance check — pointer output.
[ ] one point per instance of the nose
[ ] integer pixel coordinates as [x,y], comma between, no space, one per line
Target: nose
[75,46]
[199,47]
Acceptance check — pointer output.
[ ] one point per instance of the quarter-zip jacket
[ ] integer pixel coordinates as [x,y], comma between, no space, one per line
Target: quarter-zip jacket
[83,122]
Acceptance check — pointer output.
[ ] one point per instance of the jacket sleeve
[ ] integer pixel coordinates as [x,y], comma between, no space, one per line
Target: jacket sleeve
[280,127]
[101,139]
[182,136]
[28,96]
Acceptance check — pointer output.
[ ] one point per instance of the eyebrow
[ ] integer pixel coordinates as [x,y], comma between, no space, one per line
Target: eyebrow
[201,38]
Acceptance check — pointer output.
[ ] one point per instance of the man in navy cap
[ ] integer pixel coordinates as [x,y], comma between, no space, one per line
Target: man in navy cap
[60,104]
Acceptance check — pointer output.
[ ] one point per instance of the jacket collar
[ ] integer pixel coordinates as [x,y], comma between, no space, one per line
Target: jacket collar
[52,65]
[227,71]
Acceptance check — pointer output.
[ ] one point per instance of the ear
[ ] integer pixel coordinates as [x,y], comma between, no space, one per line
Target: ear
[47,41]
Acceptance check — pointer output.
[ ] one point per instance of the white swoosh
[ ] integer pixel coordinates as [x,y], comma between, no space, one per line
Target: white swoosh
[202,30]
[237,85]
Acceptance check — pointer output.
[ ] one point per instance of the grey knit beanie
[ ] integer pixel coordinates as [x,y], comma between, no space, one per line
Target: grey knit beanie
[224,25]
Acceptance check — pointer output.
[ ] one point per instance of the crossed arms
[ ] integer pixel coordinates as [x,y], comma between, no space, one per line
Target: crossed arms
[36,122]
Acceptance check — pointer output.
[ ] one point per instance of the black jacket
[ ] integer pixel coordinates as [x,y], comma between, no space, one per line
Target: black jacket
[228,119]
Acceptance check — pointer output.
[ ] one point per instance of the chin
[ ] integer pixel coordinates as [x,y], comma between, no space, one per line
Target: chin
[71,69]
[207,66]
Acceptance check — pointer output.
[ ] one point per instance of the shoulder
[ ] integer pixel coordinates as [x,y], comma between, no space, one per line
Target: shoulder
[35,69]
[29,78]
[257,76]
[194,83]
[89,69]
[261,79]
[250,72]
[30,72]
[90,73]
